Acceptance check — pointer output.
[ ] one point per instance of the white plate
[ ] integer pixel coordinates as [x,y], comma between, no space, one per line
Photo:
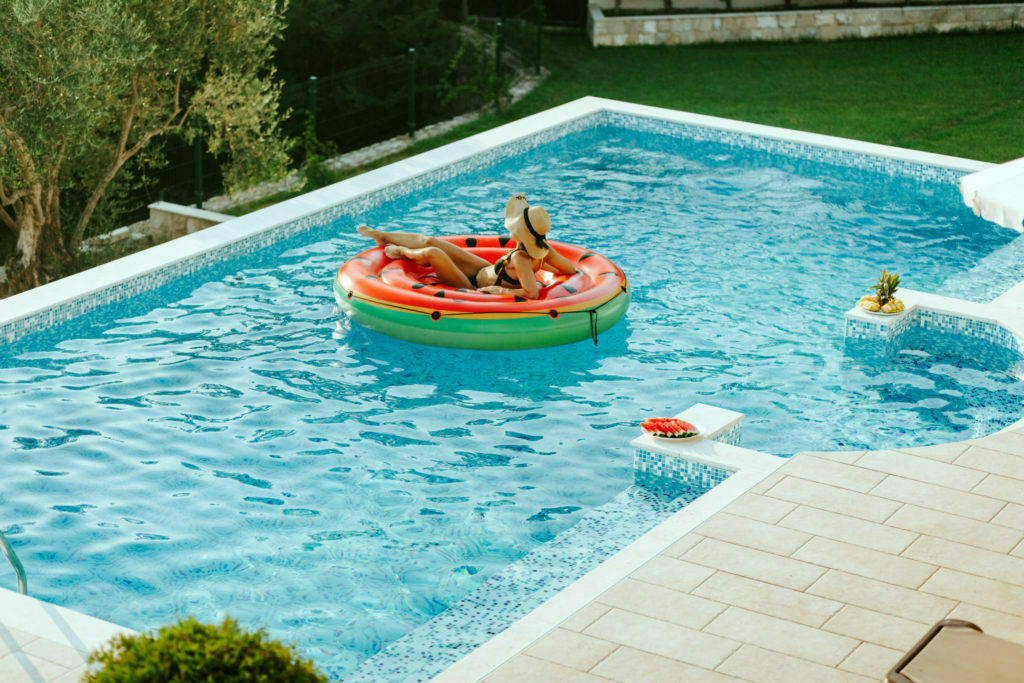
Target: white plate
[674,439]
[880,312]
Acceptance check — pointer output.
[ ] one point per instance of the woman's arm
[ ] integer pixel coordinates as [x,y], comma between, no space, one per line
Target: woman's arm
[556,263]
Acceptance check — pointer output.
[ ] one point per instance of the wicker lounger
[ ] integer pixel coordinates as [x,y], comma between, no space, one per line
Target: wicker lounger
[957,651]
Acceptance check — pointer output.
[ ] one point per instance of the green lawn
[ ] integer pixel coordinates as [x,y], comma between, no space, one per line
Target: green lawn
[956,94]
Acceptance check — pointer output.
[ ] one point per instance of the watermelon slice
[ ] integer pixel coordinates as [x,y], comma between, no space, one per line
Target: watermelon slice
[669,427]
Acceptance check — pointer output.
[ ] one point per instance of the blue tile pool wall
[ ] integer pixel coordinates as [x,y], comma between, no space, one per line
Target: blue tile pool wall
[796,150]
[731,436]
[360,205]
[523,586]
[654,464]
[987,343]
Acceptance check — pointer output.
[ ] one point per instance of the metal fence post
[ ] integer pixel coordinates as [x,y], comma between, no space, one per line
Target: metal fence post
[312,107]
[197,164]
[539,4]
[499,47]
[412,92]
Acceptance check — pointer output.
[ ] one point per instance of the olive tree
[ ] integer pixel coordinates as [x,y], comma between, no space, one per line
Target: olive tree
[87,85]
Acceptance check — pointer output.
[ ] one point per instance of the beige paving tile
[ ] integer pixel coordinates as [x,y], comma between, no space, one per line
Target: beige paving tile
[880,596]
[848,529]
[1003,488]
[73,676]
[871,660]
[1012,516]
[938,498]
[662,638]
[824,471]
[571,649]
[682,545]
[21,667]
[947,452]
[12,638]
[584,617]
[780,635]
[1019,550]
[753,534]
[769,599]
[825,497]
[855,559]
[634,666]
[999,624]
[766,483]
[67,657]
[922,469]
[761,508]
[662,603]
[955,528]
[525,668]
[673,573]
[994,462]
[754,564]
[968,559]
[1009,441]
[976,590]
[764,666]
[875,627]
[848,457]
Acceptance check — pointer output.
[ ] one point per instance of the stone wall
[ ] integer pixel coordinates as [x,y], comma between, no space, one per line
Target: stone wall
[819,24]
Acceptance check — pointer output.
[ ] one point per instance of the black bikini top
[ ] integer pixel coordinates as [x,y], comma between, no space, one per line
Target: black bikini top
[501,265]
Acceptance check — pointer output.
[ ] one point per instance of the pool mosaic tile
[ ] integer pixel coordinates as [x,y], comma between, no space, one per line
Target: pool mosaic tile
[523,586]
[886,166]
[936,332]
[678,468]
[731,436]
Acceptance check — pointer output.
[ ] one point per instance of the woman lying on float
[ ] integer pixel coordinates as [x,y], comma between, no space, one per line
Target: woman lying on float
[513,273]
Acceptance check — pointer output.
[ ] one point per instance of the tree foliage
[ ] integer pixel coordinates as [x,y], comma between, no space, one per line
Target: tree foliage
[89,84]
[191,651]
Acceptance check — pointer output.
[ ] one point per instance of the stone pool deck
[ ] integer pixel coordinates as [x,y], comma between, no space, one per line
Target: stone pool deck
[828,570]
[44,643]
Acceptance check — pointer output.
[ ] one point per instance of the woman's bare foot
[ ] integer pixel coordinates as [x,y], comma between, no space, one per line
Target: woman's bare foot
[394,251]
[376,235]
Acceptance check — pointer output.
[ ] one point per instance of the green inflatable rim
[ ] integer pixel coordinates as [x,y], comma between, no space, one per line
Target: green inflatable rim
[468,332]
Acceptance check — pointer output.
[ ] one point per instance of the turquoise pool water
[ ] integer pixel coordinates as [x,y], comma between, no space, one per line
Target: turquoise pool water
[226,444]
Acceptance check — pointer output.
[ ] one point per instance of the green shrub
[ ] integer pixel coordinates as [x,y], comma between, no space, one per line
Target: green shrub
[190,651]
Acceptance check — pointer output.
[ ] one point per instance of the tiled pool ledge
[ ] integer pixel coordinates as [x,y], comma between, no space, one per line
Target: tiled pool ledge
[992,333]
[76,295]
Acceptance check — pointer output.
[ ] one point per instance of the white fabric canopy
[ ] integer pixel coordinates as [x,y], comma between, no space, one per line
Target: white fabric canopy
[997,194]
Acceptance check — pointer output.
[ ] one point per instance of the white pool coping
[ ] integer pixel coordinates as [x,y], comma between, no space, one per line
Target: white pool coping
[751,467]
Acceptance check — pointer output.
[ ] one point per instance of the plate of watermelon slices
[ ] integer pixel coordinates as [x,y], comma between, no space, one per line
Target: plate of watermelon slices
[671,428]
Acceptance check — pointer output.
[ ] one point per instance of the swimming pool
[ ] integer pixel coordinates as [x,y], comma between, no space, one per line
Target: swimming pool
[226,443]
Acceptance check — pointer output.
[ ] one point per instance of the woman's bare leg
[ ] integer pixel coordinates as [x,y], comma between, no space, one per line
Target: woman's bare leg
[468,263]
[447,271]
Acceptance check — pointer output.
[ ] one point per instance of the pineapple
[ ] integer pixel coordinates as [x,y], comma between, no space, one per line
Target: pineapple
[886,287]
[884,300]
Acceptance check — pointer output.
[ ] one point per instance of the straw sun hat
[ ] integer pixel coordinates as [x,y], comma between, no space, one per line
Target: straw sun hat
[529,228]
